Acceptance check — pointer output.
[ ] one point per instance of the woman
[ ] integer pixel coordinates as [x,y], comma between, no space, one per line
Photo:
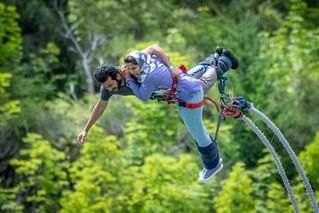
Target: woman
[150,71]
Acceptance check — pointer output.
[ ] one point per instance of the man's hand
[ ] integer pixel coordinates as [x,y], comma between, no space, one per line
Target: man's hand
[81,137]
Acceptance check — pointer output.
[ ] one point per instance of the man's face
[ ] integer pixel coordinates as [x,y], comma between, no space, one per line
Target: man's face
[133,69]
[112,85]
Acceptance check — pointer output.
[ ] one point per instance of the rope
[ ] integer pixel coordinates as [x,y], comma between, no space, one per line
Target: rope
[276,158]
[241,104]
[292,155]
[213,102]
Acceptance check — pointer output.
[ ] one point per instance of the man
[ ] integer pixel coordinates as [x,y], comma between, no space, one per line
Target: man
[113,79]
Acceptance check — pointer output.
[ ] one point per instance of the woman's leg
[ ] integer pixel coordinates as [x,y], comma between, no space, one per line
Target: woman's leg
[193,121]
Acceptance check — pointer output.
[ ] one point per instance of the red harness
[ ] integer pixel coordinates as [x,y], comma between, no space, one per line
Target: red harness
[172,92]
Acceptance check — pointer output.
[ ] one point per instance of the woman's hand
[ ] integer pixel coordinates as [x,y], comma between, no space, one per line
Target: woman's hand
[174,70]
[124,72]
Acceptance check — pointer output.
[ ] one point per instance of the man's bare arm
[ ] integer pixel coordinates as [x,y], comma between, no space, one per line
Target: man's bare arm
[96,113]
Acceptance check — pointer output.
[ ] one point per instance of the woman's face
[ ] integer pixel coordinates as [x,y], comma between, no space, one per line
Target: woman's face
[133,69]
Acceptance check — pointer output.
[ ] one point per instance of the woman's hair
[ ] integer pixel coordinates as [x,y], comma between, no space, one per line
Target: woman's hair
[103,72]
[130,59]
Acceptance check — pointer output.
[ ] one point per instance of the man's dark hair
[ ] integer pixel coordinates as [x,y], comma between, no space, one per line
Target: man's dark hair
[103,72]
[130,59]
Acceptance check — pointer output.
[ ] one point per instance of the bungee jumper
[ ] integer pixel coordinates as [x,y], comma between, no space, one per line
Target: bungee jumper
[149,72]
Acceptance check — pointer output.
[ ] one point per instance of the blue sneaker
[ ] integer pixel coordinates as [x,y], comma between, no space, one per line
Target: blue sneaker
[206,174]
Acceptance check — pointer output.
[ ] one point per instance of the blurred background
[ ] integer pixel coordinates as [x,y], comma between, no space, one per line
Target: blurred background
[139,157]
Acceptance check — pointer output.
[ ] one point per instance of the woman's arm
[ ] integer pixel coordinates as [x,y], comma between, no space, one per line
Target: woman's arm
[158,51]
[142,91]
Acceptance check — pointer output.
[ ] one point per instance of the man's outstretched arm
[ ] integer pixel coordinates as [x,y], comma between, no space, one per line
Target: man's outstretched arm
[96,113]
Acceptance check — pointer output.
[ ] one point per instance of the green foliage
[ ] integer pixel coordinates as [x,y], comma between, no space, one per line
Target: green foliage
[290,62]
[119,112]
[268,193]
[263,177]
[103,180]
[8,202]
[9,109]
[302,198]
[42,173]
[308,158]
[96,176]
[10,38]
[118,46]
[236,195]
[167,184]
[100,16]
[10,47]
[36,77]
[277,199]
[152,126]
[10,54]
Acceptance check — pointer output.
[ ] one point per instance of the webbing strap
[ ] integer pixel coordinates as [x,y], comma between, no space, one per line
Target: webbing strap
[191,105]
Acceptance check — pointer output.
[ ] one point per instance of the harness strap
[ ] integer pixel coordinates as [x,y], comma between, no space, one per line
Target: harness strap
[170,97]
[191,105]
[182,69]
[172,91]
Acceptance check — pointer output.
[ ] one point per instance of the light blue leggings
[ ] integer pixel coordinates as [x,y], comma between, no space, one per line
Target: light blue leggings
[193,120]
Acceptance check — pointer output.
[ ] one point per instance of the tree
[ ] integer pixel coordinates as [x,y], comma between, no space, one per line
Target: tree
[236,194]
[10,47]
[291,75]
[168,184]
[87,50]
[277,200]
[97,177]
[10,55]
[308,157]
[263,176]
[42,173]
[104,179]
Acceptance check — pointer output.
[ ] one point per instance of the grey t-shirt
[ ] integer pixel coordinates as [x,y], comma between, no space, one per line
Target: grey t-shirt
[106,95]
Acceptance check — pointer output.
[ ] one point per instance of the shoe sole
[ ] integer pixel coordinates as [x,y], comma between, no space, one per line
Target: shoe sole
[214,173]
